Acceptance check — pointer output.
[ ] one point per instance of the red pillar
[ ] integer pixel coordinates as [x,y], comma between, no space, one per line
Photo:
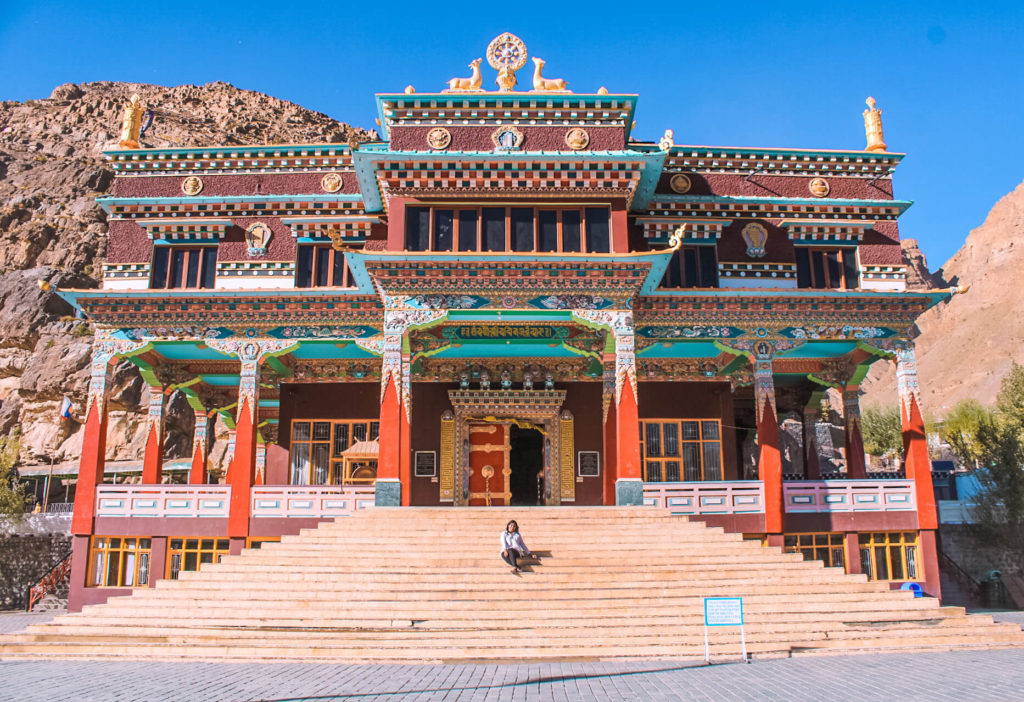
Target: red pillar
[200,442]
[931,581]
[242,470]
[90,468]
[153,460]
[627,435]
[918,465]
[855,468]
[769,467]
[389,469]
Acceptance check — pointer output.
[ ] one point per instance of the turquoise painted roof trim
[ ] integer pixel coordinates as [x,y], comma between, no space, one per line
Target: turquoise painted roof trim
[904,205]
[736,151]
[249,151]
[109,201]
[934,297]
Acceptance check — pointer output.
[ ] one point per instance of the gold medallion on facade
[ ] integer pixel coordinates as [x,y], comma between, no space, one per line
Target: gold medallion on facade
[680,183]
[439,138]
[193,185]
[577,138]
[819,187]
[331,182]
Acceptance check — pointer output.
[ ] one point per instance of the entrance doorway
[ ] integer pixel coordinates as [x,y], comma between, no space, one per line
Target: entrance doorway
[526,458]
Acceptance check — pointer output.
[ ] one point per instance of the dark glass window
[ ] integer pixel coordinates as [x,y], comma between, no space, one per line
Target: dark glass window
[547,230]
[692,267]
[467,230]
[184,267]
[443,226]
[493,228]
[826,268]
[522,229]
[597,230]
[417,228]
[570,231]
[320,266]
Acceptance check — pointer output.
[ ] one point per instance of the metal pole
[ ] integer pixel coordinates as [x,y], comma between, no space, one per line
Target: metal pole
[743,642]
[49,476]
[707,646]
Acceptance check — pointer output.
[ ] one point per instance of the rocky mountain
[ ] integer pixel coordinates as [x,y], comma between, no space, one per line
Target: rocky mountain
[966,345]
[51,171]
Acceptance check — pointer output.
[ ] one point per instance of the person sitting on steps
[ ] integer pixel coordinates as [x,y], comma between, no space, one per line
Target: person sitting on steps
[512,545]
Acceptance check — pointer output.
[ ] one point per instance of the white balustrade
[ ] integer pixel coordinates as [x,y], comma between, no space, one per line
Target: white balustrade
[849,496]
[314,501]
[162,500]
[714,497]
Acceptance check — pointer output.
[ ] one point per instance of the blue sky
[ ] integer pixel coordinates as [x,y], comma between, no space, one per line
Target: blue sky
[948,76]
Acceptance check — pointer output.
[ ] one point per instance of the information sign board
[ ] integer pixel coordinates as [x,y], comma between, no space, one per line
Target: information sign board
[723,611]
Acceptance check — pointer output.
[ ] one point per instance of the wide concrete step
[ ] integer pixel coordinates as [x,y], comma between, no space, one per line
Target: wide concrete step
[612,583]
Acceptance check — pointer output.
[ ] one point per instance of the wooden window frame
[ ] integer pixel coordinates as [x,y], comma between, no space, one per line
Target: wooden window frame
[843,252]
[221,547]
[190,253]
[257,542]
[811,545]
[142,550]
[458,208]
[699,441]
[319,250]
[870,542]
[335,464]
[678,257]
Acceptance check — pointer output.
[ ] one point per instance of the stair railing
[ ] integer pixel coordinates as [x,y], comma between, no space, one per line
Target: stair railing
[966,581]
[50,581]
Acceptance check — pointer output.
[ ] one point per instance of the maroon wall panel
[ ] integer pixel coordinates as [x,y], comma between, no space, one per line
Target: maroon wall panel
[232,184]
[478,138]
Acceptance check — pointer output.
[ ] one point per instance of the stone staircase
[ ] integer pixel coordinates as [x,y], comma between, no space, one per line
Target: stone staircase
[427,585]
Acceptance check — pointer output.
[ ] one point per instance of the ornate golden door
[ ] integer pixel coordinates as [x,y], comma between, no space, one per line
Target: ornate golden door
[489,468]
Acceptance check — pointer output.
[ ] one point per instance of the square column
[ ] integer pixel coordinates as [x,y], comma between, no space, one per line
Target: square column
[769,457]
[200,447]
[855,467]
[153,459]
[916,462]
[392,462]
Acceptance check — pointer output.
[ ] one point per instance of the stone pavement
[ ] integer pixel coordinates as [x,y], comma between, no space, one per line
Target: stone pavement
[974,676]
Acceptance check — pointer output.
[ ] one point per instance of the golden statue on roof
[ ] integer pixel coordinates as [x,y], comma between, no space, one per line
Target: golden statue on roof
[873,127]
[131,123]
[468,85]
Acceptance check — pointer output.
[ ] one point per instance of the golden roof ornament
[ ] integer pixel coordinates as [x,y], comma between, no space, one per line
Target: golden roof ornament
[667,141]
[506,54]
[131,123]
[467,85]
[546,85]
[873,127]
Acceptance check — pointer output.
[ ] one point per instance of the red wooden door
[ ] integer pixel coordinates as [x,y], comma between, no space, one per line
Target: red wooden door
[489,469]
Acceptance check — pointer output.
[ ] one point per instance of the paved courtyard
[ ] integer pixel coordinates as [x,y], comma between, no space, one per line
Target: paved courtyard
[974,676]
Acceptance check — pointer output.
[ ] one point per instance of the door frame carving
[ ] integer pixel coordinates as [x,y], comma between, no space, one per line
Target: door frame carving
[543,407]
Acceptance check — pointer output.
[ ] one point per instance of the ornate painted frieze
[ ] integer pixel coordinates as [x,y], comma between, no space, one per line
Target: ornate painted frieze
[233,159]
[256,269]
[845,331]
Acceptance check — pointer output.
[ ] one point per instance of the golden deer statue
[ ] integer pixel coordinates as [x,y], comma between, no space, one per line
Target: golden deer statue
[546,85]
[472,83]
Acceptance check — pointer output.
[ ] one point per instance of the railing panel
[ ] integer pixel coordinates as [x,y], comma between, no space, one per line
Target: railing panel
[162,500]
[314,501]
[721,497]
[849,496]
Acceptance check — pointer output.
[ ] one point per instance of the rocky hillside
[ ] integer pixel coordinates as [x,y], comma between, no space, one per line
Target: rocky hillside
[967,344]
[51,171]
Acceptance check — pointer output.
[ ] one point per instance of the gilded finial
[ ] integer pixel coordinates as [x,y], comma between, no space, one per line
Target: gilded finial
[602,90]
[873,127]
[676,239]
[409,90]
[131,123]
[667,141]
